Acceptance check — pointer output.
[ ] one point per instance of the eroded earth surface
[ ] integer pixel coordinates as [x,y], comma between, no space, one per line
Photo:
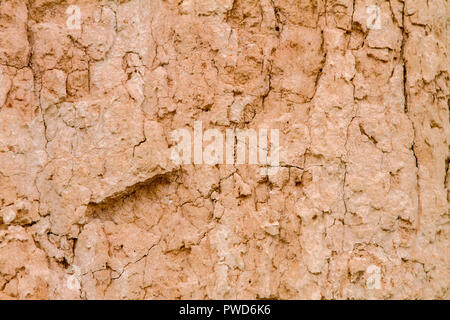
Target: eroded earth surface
[92,207]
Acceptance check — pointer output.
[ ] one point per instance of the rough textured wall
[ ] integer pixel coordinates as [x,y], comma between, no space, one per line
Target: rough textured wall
[93,207]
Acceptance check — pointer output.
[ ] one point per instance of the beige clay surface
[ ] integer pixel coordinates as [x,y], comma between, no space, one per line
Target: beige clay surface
[92,205]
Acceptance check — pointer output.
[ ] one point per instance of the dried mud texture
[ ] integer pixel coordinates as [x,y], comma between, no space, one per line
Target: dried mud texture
[92,207]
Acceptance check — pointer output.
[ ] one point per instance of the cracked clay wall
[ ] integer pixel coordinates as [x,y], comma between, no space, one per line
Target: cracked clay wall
[93,206]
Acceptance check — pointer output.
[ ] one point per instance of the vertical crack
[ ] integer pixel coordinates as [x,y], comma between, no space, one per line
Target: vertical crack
[408,114]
